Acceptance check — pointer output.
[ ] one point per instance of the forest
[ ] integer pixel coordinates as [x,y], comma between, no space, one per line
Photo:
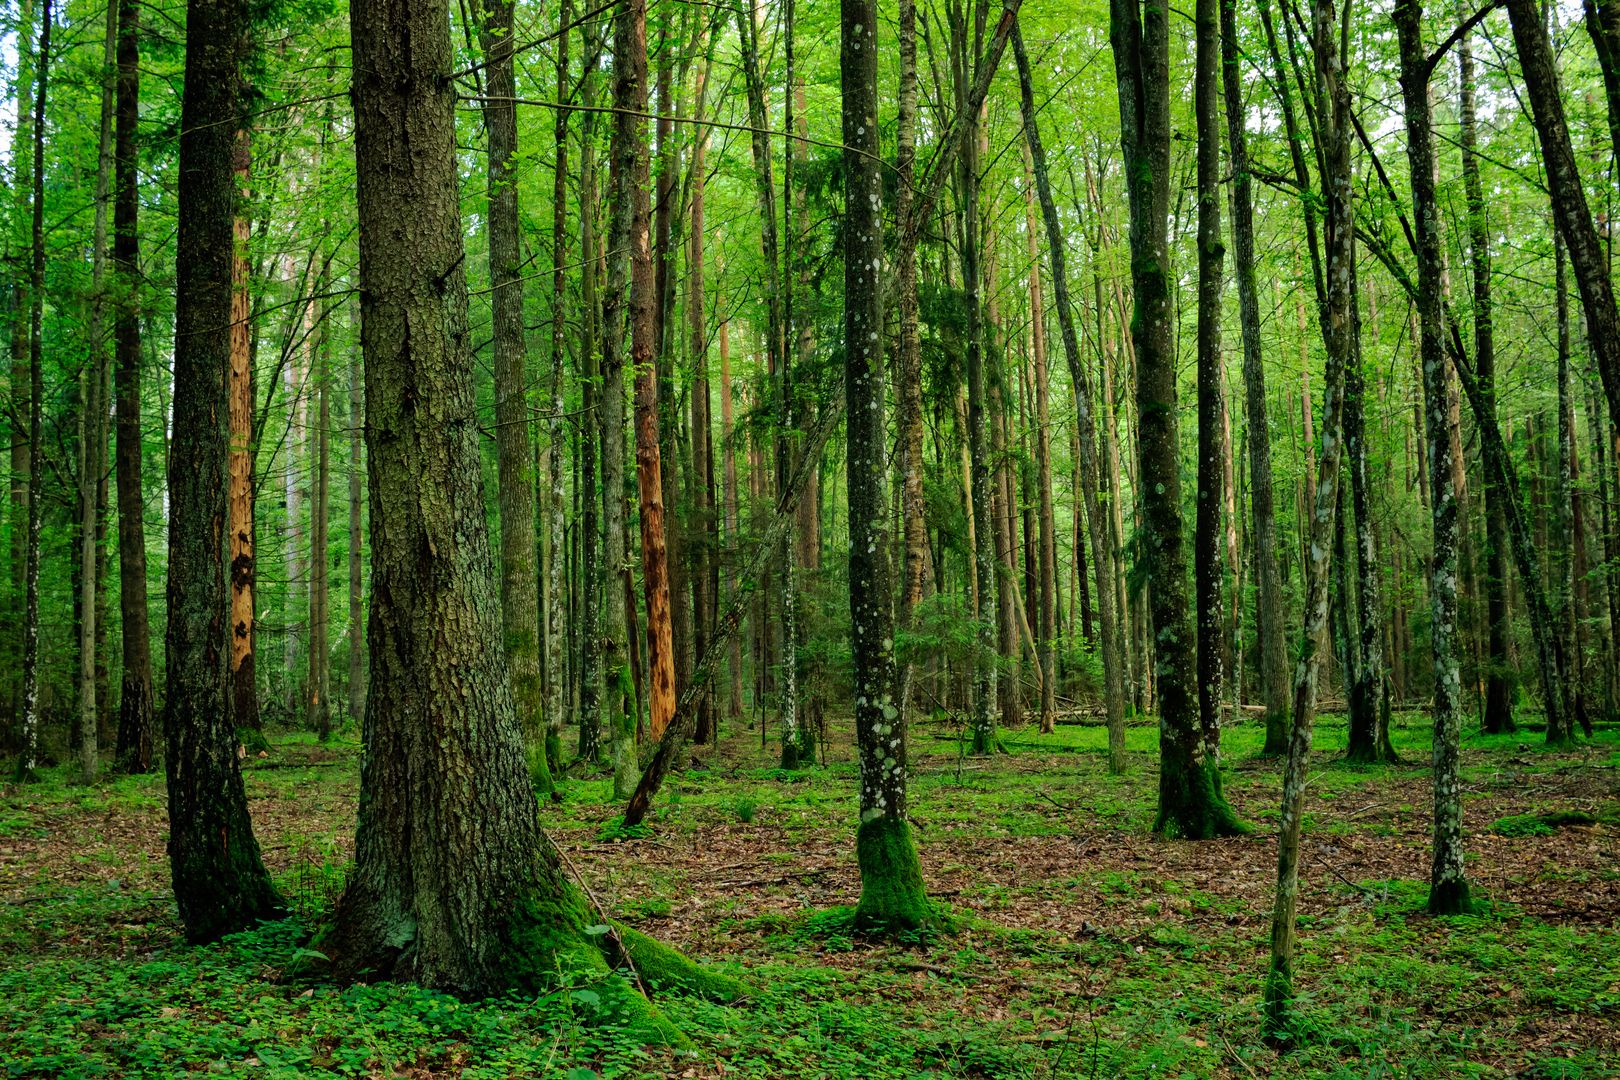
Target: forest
[809,538]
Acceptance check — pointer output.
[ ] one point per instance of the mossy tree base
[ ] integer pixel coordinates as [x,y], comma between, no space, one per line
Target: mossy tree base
[1451,897]
[547,945]
[1278,1022]
[893,900]
[1191,804]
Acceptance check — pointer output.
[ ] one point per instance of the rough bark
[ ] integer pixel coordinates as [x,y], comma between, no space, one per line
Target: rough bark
[220,884]
[137,720]
[630,93]
[454,886]
[244,697]
[892,897]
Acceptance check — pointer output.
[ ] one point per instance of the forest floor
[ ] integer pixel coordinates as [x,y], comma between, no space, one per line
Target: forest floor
[1082,946]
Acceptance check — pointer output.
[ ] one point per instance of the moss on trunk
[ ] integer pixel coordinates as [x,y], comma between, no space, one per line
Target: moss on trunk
[1191,804]
[1450,897]
[893,900]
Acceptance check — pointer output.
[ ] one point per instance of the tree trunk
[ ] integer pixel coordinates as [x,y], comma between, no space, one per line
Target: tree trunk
[1269,617]
[220,884]
[1448,887]
[93,424]
[136,716]
[593,637]
[1190,802]
[892,896]
[455,885]
[1338,313]
[556,638]
[630,59]
[1499,681]
[244,697]
[1046,626]
[1208,565]
[520,583]
[1587,255]
[703,531]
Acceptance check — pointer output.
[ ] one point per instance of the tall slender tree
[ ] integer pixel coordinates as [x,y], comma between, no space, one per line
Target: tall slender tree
[137,721]
[220,883]
[892,897]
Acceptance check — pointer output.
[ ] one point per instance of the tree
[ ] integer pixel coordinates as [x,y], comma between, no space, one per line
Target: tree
[136,716]
[1190,801]
[1108,618]
[892,897]
[1269,600]
[220,883]
[1338,327]
[1208,564]
[471,910]
[520,586]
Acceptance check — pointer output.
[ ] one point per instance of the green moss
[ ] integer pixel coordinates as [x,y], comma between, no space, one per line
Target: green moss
[1191,805]
[893,900]
[1277,1020]
[1451,898]
[664,968]
[549,948]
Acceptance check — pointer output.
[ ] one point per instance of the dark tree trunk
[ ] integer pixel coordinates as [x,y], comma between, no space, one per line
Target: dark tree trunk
[553,570]
[1587,255]
[220,884]
[455,885]
[136,717]
[1208,566]
[244,695]
[1269,617]
[892,896]
[1190,802]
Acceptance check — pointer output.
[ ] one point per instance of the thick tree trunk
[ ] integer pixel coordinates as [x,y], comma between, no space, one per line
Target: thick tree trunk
[220,884]
[455,885]
[1448,887]
[1208,565]
[1338,314]
[21,471]
[892,896]
[136,716]
[520,583]
[594,508]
